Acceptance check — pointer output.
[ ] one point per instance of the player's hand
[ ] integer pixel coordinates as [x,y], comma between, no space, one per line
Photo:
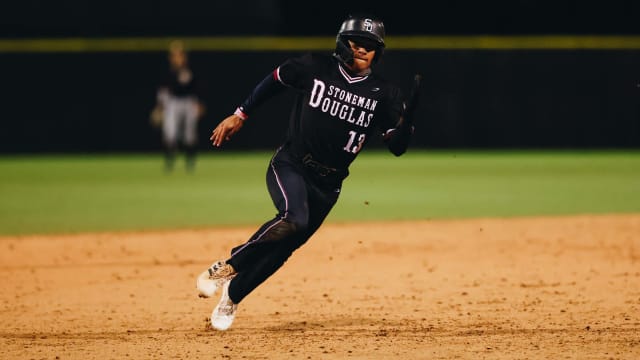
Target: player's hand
[226,129]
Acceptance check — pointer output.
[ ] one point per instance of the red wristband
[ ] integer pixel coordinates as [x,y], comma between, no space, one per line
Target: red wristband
[241,114]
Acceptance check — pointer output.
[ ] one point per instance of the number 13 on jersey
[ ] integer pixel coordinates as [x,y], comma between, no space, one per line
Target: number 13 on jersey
[352,146]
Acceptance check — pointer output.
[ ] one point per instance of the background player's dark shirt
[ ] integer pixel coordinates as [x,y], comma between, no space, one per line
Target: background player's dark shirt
[181,83]
[336,113]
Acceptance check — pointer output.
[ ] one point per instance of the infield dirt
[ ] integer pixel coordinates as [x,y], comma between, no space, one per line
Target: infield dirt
[520,288]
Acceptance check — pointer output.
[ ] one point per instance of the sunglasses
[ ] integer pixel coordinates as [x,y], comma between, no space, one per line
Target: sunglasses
[366,44]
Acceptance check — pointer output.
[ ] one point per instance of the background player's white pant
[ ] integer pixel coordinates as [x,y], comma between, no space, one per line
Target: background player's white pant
[180,121]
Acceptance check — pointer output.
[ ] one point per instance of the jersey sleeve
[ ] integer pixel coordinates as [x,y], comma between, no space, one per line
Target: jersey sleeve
[296,72]
[292,73]
[267,88]
[392,111]
[396,132]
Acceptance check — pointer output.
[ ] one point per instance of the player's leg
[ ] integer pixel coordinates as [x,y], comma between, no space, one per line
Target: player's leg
[170,132]
[288,191]
[191,133]
[210,280]
[320,203]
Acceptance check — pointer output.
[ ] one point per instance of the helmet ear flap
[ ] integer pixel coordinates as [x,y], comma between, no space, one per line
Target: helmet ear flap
[343,51]
[378,55]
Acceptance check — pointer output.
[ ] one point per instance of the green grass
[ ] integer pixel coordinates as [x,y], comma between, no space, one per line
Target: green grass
[66,194]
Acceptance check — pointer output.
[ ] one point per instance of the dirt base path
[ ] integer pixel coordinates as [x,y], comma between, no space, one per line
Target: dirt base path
[537,288]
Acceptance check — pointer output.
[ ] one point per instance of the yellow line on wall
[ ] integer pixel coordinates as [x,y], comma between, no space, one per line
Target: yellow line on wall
[267,43]
[516,42]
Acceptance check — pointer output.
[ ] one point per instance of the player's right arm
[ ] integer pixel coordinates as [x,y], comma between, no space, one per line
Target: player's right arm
[267,88]
[227,128]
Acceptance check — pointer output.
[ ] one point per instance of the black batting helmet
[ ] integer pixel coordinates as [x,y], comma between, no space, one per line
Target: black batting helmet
[363,26]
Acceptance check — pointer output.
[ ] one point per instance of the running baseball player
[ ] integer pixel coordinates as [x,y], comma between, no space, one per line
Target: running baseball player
[340,104]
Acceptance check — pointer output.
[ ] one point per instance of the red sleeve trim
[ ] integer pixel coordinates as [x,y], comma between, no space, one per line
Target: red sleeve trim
[241,114]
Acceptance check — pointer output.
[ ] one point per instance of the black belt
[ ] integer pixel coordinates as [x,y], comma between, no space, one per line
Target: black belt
[319,168]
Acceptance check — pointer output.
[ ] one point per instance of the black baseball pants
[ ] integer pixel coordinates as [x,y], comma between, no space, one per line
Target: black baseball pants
[303,203]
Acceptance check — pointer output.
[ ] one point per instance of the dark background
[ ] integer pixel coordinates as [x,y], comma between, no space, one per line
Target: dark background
[28,18]
[100,101]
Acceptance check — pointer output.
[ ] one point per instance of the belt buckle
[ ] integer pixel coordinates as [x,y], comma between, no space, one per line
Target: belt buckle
[320,169]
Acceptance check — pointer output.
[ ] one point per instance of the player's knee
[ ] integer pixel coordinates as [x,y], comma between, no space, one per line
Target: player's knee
[299,223]
[281,230]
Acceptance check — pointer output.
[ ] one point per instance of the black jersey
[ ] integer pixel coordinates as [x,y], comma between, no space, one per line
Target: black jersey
[336,113]
[181,83]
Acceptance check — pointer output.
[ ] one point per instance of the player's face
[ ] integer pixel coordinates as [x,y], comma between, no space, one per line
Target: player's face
[363,53]
[178,58]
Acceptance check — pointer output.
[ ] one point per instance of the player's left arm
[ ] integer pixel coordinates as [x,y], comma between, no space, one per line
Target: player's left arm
[268,87]
[398,138]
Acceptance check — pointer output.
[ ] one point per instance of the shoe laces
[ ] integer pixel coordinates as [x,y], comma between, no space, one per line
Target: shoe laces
[227,308]
[221,270]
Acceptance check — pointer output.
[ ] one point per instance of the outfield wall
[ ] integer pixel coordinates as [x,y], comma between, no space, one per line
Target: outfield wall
[475,97]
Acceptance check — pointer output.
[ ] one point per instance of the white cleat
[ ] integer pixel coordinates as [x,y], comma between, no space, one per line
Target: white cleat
[206,286]
[210,280]
[224,313]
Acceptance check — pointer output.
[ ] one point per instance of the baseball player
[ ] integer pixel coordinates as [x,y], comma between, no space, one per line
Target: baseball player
[178,102]
[340,104]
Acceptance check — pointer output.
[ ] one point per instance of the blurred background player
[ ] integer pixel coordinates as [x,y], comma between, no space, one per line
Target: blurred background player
[179,108]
